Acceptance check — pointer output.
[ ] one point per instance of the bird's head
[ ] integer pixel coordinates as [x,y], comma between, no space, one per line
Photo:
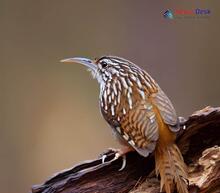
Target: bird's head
[106,68]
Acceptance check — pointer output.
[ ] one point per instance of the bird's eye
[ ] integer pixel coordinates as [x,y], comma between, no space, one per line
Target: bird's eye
[104,64]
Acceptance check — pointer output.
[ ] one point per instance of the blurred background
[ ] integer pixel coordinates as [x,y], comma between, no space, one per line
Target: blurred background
[49,114]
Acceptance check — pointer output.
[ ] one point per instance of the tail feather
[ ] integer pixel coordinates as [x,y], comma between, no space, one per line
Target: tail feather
[172,169]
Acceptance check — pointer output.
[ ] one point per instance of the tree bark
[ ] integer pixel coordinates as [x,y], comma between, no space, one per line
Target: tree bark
[199,143]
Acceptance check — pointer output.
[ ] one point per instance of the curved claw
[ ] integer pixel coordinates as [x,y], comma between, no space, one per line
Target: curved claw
[103,158]
[123,163]
[117,155]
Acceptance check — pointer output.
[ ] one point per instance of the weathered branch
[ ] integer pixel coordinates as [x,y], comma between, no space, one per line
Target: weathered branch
[198,142]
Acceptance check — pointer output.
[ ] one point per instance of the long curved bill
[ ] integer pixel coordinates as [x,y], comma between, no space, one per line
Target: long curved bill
[85,61]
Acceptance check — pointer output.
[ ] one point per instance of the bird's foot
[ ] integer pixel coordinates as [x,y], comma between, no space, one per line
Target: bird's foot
[118,153]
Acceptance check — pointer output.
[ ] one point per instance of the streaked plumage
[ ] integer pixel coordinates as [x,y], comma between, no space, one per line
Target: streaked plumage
[135,109]
[140,114]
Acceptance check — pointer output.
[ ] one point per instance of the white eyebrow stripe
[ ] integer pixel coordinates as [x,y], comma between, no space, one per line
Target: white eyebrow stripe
[117,61]
[108,61]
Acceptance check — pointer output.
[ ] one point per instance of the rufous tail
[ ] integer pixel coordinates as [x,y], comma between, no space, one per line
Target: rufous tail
[172,169]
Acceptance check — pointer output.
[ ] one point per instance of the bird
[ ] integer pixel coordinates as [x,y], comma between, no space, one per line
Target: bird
[141,116]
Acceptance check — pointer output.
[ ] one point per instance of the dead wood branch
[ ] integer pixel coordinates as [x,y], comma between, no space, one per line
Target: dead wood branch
[198,142]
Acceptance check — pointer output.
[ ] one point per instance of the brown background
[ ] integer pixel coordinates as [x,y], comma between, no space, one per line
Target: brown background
[49,115]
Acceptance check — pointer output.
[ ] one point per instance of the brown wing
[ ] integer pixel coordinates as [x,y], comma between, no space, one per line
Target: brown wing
[140,128]
[166,109]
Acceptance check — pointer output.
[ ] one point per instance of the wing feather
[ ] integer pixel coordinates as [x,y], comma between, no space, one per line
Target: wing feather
[166,109]
[141,126]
